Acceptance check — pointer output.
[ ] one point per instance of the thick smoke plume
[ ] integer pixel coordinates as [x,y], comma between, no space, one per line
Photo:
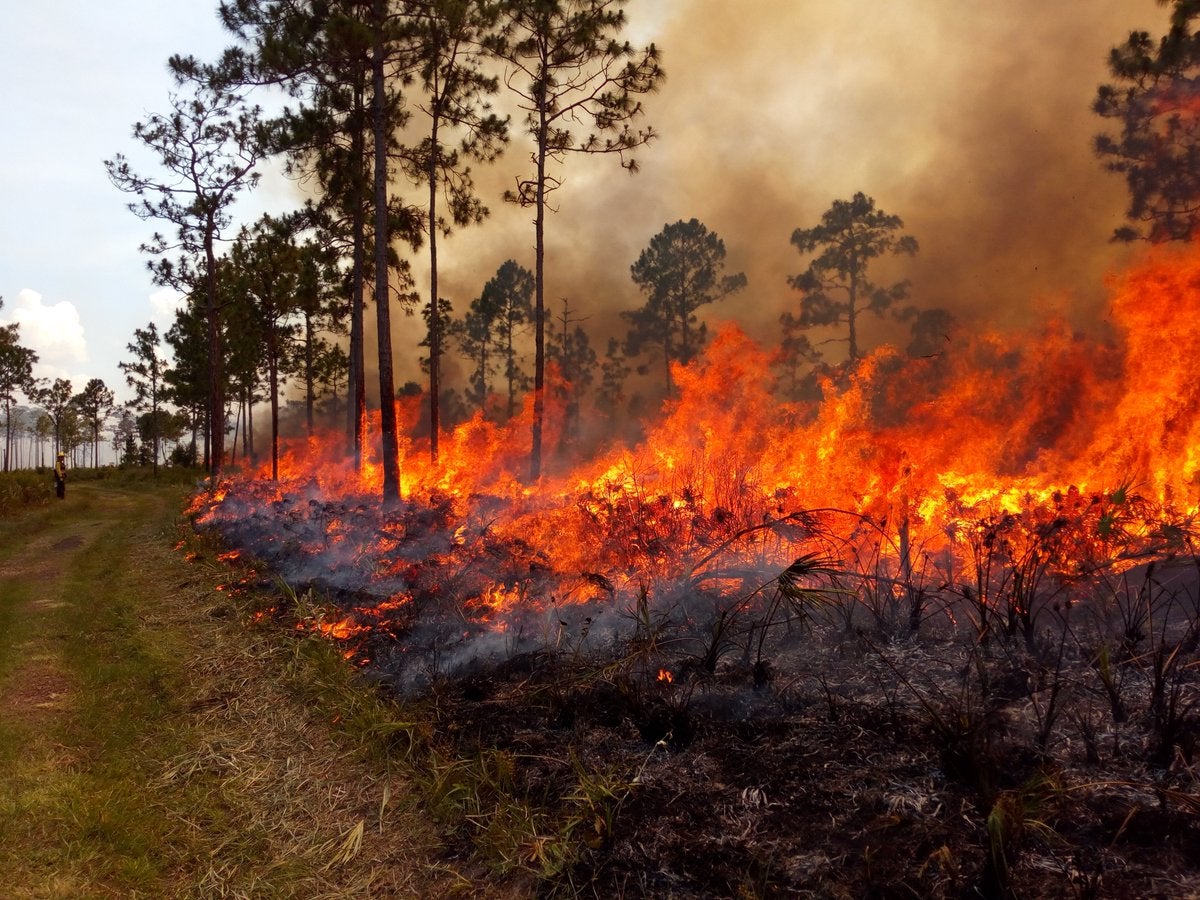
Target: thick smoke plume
[970,121]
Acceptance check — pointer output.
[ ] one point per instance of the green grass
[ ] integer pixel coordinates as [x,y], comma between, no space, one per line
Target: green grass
[140,782]
[73,809]
[23,489]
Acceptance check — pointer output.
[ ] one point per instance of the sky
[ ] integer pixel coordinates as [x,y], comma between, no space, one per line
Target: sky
[76,78]
[971,121]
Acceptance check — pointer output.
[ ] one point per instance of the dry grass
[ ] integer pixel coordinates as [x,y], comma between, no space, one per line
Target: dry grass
[308,805]
[186,752]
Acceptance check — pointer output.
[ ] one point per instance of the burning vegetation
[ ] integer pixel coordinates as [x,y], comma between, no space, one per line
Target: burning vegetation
[950,609]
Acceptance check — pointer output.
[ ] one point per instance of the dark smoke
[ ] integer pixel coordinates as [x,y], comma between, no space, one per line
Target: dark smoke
[970,121]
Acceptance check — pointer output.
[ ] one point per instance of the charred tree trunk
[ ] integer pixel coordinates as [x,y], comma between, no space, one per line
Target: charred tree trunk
[510,366]
[435,318]
[207,437]
[273,377]
[387,390]
[237,431]
[248,436]
[539,305]
[852,316]
[8,441]
[310,387]
[356,384]
[216,355]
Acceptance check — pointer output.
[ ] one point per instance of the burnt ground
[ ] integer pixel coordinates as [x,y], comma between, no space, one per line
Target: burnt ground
[810,731]
[838,781]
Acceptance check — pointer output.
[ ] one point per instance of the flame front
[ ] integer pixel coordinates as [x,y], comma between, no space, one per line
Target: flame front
[1065,454]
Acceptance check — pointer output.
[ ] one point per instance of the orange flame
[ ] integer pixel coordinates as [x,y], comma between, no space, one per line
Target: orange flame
[342,630]
[1002,437]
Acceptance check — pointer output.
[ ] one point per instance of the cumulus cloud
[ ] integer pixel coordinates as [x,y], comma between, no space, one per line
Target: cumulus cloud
[164,304]
[53,331]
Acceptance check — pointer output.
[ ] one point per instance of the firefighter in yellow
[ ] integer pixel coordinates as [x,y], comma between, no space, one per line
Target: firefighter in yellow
[60,475]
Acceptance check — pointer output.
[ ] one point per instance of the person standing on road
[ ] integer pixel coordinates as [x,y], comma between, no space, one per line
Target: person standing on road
[60,475]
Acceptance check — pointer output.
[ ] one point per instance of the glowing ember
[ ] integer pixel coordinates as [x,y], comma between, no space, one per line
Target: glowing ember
[342,629]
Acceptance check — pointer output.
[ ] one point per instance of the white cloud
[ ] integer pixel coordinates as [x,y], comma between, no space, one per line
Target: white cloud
[165,302]
[54,332]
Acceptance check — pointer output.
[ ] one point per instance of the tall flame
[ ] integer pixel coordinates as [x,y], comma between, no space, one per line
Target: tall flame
[906,462]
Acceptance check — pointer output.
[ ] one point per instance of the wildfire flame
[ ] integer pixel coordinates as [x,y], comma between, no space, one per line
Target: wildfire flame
[907,467]
[343,629]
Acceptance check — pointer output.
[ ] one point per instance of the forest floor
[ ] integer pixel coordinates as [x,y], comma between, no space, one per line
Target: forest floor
[172,725]
[154,746]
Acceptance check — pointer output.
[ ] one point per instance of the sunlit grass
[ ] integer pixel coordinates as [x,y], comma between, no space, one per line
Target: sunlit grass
[73,809]
[179,755]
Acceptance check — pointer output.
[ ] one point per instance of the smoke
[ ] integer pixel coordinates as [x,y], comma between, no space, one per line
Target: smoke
[971,122]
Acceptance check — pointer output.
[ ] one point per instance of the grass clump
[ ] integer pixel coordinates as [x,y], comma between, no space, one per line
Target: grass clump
[23,489]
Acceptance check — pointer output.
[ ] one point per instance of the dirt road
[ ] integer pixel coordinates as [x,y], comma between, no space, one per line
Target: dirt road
[154,745]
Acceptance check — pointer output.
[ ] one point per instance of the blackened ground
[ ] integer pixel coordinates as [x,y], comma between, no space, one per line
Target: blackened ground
[740,741]
[841,781]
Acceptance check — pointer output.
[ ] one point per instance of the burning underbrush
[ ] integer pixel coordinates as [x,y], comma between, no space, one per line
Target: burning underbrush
[952,611]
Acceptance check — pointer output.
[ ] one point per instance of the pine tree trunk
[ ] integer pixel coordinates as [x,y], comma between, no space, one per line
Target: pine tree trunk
[273,374]
[387,390]
[216,373]
[435,319]
[356,384]
[539,325]
[852,316]
[309,385]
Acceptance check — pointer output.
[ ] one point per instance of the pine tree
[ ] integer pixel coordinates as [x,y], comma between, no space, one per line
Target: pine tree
[836,288]
[455,101]
[508,295]
[208,146]
[1155,109]
[569,71]
[679,272]
[94,403]
[570,349]
[16,374]
[55,401]
[145,374]
[265,265]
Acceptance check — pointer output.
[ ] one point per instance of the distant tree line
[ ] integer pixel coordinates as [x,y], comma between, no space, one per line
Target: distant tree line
[57,418]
